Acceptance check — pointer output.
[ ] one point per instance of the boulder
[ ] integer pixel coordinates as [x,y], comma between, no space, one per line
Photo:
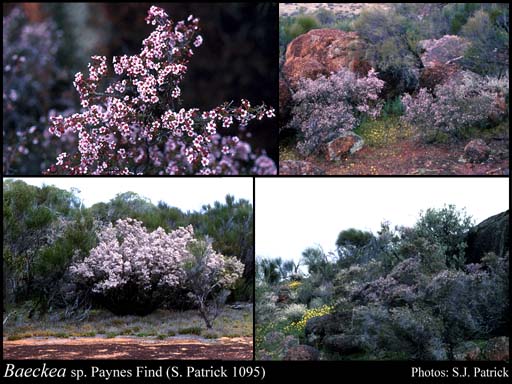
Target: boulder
[343,344]
[331,324]
[317,327]
[467,350]
[497,349]
[302,352]
[446,50]
[476,151]
[322,51]
[491,235]
[297,167]
[346,144]
[440,59]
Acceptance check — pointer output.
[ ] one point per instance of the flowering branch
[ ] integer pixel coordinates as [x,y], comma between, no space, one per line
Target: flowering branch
[134,126]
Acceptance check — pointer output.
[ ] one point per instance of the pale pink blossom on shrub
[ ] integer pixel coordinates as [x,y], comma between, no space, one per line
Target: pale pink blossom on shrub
[139,110]
[328,106]
[468,100]
[129,260]
[128,253]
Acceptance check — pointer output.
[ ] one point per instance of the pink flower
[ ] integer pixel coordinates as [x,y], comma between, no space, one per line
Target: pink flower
[124,118]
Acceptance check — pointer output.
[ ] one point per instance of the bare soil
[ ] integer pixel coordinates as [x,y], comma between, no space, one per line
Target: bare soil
[409,157]
[128,348]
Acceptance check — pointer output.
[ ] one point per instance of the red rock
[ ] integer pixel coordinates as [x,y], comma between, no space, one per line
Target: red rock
[437,73]
[343,146]
[322,51]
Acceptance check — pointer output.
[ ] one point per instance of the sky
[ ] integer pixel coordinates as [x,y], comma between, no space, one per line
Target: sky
[184,193]
[295,213]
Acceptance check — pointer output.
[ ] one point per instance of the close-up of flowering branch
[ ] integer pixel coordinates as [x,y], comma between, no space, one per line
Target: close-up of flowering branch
[132,121]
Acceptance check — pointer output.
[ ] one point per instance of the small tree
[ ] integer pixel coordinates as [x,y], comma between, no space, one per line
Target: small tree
[209,275]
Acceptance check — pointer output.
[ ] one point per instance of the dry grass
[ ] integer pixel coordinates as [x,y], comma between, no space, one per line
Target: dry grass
[160,325]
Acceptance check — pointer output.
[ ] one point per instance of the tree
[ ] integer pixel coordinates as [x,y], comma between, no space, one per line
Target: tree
[317,262]
[392,47]
[35,223]
[230,226]
[441,233]
[488,33]
[209,275]
[269,271]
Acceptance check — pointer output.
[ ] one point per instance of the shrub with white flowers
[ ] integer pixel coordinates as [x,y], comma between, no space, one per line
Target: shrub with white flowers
[209,276]
[464,101]
[328,106]
[134,271]
[135,124]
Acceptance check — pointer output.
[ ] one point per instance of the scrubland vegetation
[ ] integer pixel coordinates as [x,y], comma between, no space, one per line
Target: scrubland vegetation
[403,293]
[124,267]
[444,73]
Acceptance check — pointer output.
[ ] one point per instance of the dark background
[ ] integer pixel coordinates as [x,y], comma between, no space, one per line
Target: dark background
[238,58]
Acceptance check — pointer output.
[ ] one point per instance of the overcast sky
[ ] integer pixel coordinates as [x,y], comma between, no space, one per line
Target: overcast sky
[295,213]
[183,193]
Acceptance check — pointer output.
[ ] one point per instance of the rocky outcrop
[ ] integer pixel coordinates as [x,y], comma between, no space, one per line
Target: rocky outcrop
[476,151]
[322,51]
[346,144]
[297,167]
[491,235]
[302,353]
[446,50]
[440,59]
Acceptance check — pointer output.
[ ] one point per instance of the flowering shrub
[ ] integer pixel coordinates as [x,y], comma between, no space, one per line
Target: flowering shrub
[136,126]
[461,102]
[473,304]
[132,268]
[298,327]
[29,77]
[328,106]
[134,271]
[209,275]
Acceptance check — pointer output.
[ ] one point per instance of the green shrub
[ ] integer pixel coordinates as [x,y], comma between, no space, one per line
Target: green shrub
[302,25]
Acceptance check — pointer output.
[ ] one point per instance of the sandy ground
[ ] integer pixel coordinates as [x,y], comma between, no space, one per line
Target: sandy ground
[173,348]
[288,9]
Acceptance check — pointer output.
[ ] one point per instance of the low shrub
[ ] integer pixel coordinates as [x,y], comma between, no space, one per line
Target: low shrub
[328,106]
[463,101]
[294,312]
